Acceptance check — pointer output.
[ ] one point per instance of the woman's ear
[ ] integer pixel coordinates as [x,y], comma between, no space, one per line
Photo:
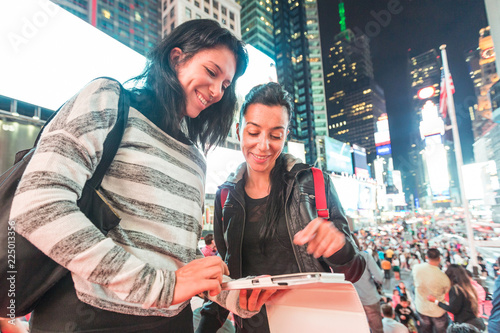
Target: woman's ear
[238,131]
[176,55]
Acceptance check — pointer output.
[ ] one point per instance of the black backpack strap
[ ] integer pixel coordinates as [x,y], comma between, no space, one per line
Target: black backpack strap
[112,142]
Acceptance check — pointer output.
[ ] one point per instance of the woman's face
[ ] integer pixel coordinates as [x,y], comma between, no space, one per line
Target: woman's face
[262,135]
[204,77]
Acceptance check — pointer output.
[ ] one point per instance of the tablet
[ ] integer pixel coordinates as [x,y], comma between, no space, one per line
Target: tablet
[282,281]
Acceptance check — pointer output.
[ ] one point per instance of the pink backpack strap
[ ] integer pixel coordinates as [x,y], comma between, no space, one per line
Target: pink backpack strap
[319,193]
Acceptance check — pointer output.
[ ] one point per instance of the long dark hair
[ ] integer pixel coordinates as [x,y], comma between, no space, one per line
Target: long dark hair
[271,94]
[460,280]
[162,98]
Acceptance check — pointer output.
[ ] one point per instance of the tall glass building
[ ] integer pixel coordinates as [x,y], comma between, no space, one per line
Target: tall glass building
[354,99]
[299,68]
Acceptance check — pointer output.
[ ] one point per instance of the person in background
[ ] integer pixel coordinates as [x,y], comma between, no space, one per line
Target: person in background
[480,292]
[462,298]
[143,273]
[428,279]
[210,249]
[366,287]
[391,325]
[386,266]
[268,224]
[405,314]
[389,253]
[396,268]
[396,298]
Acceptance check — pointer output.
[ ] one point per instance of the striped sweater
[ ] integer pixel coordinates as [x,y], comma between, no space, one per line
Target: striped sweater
[155,184]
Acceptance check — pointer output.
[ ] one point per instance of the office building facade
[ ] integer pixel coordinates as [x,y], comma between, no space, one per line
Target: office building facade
[354,99]
[176,12]
[257,25]
[298,64]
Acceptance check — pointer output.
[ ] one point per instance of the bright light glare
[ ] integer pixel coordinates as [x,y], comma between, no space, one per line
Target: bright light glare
[49,54]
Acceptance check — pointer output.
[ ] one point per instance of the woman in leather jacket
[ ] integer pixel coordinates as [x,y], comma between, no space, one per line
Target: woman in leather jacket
[269,223]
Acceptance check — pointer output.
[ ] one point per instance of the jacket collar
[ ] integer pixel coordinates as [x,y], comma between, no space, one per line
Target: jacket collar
[293,165]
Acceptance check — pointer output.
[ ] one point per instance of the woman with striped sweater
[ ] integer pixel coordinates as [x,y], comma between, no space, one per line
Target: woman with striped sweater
[142,274]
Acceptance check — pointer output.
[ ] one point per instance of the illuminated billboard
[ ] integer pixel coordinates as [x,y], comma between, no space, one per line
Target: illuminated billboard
[338,156]
[436,162]
[49,54]
[382,138]
[360,162]
[261,69]
[367,198]
[297,149]
[384,150]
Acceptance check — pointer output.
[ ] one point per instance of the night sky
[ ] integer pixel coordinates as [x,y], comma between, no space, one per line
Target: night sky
[420,26]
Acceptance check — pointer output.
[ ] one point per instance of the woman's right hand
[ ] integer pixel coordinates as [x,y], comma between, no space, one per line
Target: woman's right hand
[198,276]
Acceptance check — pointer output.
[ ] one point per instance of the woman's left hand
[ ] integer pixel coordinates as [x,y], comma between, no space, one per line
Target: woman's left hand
[252,300]
[322,238]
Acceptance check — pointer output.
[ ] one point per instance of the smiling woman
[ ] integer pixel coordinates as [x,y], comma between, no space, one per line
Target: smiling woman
[270,214]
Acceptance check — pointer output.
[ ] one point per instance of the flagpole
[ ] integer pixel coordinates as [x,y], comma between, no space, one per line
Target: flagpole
[458,157]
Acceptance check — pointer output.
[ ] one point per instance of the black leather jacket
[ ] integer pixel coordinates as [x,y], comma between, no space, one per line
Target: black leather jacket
[300,209]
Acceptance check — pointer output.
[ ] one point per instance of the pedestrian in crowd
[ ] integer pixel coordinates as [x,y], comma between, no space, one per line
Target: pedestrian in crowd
[403,261]
[142,274]
[480,292]
[390,325]
[396,298]
[395,268]
[265,223]
[386,266]
[209,249]
[405,314]
[428,279]
[494,319]
[462,298]
[413,261]
[389,253]
[401,288]
[367,288]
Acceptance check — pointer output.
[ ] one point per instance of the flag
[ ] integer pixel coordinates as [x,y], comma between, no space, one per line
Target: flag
[443,102]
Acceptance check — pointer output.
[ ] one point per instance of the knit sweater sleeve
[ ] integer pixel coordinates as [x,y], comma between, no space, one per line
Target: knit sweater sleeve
[45,204]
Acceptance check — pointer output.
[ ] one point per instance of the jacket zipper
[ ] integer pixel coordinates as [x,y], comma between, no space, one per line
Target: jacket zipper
[288,227]
[242,234]
[241,242]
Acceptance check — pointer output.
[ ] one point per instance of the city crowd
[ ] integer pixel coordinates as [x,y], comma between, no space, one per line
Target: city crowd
[417,281]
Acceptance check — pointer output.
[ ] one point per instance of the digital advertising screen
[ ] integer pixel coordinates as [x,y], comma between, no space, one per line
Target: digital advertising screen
[384,150]
[360,162]
[49,54]
[338,156]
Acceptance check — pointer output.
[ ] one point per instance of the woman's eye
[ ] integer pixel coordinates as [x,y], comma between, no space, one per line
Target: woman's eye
[275,137]
[210,72]
[253,134]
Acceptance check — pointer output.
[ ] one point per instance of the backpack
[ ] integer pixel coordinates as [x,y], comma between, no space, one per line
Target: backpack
[26,273]
[319,194]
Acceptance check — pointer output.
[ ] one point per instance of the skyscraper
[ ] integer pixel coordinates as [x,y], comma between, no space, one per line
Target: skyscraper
[135,23]
[298,64]
[226,12]
[257,25]
[354,99]
[484,74]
